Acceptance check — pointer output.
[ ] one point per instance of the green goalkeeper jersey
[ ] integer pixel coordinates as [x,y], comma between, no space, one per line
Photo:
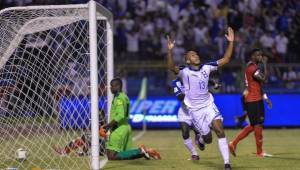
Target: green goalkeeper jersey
[120,109]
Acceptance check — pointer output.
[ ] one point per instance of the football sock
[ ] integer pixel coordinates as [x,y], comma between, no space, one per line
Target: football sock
[73,145]
[189,145]
[258,139]
[223,146]
[67,150]
[130,154]
[244,133]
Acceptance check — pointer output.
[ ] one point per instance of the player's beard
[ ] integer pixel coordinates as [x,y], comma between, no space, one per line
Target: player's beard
[196,64]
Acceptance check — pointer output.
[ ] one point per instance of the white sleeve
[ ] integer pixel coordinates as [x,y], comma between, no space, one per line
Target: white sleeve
[181,72]
[212,66]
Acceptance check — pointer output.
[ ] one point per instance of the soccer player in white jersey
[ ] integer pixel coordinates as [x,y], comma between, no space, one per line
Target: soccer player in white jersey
[200,102]
[185,120]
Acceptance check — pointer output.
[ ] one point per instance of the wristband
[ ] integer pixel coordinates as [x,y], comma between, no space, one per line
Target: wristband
[265,96]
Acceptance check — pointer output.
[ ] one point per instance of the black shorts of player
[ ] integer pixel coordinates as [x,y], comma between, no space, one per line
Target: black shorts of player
[256,112]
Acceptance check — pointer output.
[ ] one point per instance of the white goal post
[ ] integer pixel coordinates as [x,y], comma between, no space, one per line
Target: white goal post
[56,62]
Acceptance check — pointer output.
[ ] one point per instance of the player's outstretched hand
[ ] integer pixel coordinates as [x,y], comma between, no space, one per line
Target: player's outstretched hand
[230,34]
[171,43]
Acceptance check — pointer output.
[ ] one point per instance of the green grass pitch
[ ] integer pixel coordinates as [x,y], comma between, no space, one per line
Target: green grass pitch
[284,144]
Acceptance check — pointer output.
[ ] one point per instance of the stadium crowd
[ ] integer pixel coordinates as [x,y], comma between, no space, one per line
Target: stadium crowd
[141,27]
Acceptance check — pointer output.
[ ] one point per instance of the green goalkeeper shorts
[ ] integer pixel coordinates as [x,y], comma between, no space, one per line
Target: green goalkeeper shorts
[120,139]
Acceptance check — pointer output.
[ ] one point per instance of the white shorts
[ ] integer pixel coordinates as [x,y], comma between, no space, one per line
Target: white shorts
[203,117]
[183,116]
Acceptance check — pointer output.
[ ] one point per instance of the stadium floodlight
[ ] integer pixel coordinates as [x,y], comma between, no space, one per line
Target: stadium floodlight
[55,64]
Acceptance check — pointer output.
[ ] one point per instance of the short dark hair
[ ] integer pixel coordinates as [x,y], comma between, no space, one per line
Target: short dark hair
[118,81]
[254,51]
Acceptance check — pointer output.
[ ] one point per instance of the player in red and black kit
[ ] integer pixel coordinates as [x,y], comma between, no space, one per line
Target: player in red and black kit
[254,78]
[240,120]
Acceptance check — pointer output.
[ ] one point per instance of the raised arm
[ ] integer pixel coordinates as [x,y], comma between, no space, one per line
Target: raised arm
[170,62]
[259,75]
[228,53]
[264,75]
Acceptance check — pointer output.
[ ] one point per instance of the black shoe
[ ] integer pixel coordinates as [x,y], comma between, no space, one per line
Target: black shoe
[195,157]
[199,142]
[227,167]
[201,146]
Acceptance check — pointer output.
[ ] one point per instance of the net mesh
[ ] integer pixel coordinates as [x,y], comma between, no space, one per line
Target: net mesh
[44,87]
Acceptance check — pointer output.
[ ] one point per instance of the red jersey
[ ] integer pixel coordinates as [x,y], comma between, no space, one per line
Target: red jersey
[253,85]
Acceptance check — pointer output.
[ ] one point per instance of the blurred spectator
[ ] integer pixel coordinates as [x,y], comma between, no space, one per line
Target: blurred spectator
[249,21]
[127,21]
[290,76]
[120,40]
[173,10]
[254,6]
[220,41]
[270,20]
[267,41]
[189,39]
[140,9]
[163,42]
[281,42]
[283,22]
[201,35]
[240,46]
[293,46]
[242,6]
[273,77]
[132,44]
[178,53]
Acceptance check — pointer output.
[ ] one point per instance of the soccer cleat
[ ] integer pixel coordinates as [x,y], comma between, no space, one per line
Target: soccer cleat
[58,150]
[195,158]
[144,152]
[227,167]
[200,142]
[232,148]
[263,154]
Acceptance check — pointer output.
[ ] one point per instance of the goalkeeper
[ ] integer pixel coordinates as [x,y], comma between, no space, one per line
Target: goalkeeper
[120,140]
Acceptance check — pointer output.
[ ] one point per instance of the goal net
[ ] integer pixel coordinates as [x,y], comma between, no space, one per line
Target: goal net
[45,96]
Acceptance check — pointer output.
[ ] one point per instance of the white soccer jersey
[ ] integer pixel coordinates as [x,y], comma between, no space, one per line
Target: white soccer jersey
[196,85]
